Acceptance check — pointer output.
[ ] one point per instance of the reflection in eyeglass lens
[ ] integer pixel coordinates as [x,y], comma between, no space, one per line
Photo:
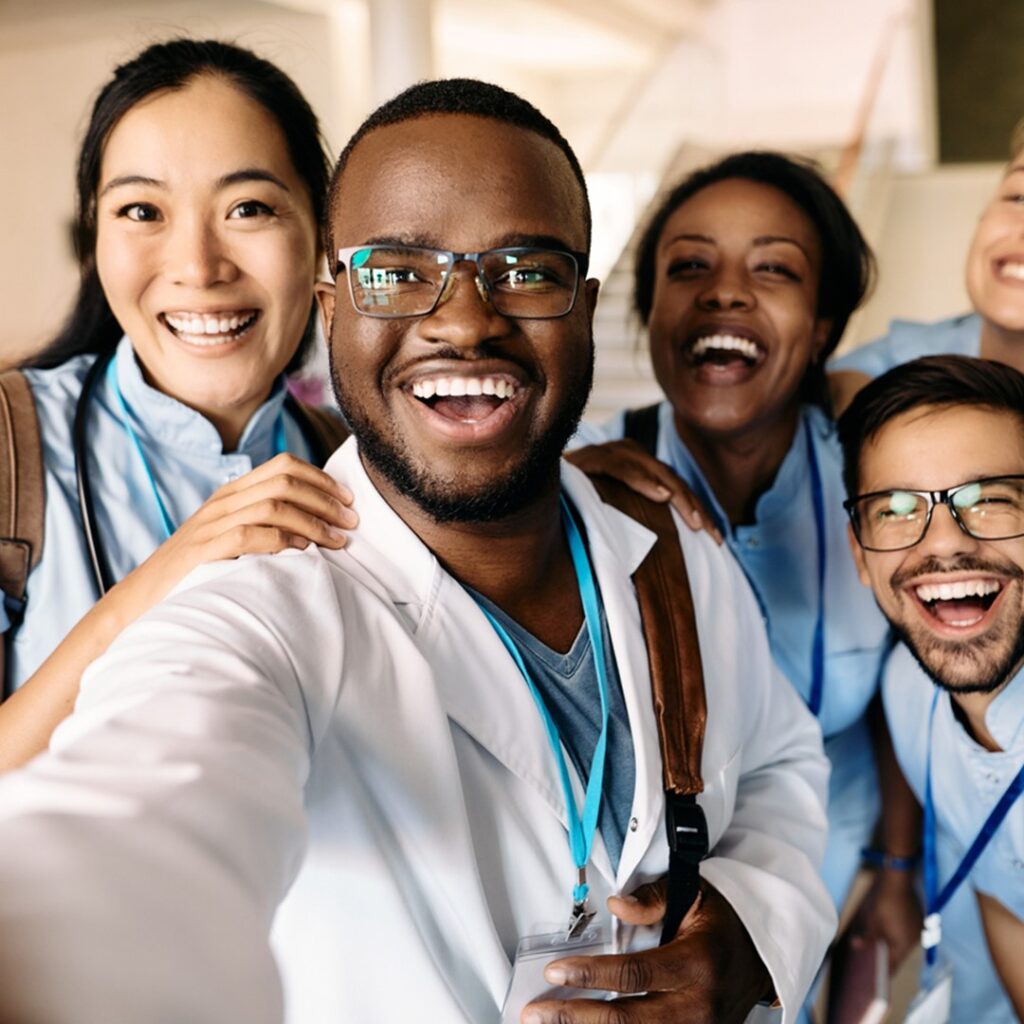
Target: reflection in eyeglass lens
[408,281]
[987,509]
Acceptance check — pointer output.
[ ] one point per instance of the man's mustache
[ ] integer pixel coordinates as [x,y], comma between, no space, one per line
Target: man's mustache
[932,565]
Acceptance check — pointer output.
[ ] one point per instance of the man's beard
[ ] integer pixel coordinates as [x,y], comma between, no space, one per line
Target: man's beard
[986,670]
[442,500]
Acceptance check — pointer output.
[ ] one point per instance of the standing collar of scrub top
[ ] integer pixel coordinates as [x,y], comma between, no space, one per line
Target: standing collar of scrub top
[175,426]
[777,501]
[1004,717]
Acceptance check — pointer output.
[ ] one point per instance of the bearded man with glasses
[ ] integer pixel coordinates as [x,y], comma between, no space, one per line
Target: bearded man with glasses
[934,466]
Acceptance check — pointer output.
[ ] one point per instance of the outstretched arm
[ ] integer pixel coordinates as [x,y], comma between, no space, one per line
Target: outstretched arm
[284,503]
[143,856]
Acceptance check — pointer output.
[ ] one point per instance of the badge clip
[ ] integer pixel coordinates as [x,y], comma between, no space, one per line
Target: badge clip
[581,916]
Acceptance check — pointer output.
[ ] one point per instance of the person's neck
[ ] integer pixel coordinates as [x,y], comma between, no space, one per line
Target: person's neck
[521,562]
[971,709]
[1002,345]
[229,422]
[740,467]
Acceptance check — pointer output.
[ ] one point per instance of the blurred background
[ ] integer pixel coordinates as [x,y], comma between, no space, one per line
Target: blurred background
[908,104]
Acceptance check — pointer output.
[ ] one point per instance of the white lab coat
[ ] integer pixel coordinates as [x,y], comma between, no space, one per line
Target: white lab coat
[348,725]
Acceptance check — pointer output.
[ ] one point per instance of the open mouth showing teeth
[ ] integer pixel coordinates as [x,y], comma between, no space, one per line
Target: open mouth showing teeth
[1012,269]
[466,399]
[209,329]
[725,350]
[963,603]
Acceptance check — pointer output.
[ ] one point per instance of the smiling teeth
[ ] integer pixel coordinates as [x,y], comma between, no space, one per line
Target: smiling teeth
[957,591]
[726,342]
[456,387]
[208,329]
[1014,270]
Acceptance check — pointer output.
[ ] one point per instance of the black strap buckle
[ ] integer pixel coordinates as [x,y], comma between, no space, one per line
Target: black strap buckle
[688,845]
[686,826]
[15,608]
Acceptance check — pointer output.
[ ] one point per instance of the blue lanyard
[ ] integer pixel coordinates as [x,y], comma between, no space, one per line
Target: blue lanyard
[581,829]
[818,645]
[280,446]
[936,900]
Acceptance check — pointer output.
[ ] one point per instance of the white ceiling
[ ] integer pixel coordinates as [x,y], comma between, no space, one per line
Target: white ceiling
[548,35]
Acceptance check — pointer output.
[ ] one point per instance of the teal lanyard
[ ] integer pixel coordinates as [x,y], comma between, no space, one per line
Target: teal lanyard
[581,829]
[280,446]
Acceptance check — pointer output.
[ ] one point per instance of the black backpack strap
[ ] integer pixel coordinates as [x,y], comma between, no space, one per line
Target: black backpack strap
[22,498]
[641,425]
[677,686]
[324,430]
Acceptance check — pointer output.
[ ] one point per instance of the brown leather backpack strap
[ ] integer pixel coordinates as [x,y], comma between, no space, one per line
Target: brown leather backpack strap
[677,686]
[670,630]
[22,495]
[324,430]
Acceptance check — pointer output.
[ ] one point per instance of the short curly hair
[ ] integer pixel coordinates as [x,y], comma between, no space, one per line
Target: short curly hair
[942,381]
[456,96]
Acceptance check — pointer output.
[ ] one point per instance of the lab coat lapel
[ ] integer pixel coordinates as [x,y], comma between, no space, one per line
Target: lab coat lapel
[494,706]
[618,545]
[452,632]
[491,702]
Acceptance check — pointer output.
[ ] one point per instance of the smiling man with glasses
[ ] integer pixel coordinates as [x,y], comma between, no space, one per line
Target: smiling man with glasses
[934,466]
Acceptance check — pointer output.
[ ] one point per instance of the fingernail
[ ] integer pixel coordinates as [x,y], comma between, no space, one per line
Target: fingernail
[627,897]
[556,974]
[533,1017]
[662,490]
[335,532]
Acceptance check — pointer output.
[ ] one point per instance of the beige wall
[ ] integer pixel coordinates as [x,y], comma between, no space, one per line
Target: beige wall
[921,241]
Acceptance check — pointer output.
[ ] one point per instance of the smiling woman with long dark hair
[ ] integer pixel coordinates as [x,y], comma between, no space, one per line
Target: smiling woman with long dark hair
[168,438]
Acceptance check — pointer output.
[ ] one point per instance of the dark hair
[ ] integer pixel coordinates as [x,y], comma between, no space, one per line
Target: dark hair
[941,381]
[457,96]
[91,326]
[847,263]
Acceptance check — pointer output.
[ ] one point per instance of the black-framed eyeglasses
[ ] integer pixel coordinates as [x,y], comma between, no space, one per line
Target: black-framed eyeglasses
[524,282]
[988,509]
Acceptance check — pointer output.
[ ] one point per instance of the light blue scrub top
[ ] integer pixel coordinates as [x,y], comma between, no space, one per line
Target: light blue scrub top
[186,457]
[778,553]
[967,781]
[907,339]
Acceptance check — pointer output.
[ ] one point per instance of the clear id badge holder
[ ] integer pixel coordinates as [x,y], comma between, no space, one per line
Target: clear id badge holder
[535,952]
[932,1003]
